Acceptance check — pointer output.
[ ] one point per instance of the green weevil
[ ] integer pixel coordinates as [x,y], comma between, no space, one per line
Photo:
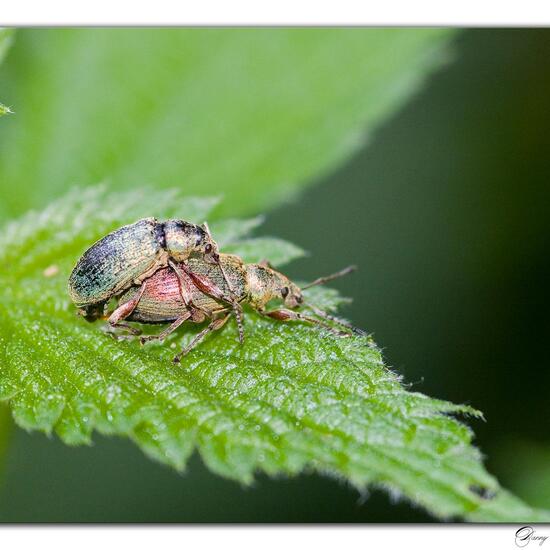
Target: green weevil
[158,299]
[131,254]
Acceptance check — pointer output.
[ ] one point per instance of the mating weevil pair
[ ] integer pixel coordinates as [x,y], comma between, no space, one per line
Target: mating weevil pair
[172,272]
[131,254]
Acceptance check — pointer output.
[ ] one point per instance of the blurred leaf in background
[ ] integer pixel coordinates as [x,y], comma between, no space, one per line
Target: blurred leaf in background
[234,111]
[6,36]
[526,464]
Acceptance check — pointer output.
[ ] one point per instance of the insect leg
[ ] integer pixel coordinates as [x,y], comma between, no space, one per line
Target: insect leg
[289,315]
[183,278]
[168,330]
[123,311]
[204,284]
[216,324]
[218,263]
[238,310]
[128,328]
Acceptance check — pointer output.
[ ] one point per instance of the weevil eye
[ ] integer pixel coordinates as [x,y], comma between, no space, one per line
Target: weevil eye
[208,248]
[284,291]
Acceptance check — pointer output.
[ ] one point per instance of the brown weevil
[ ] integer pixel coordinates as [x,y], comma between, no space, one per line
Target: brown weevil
[210,287]
[131,254]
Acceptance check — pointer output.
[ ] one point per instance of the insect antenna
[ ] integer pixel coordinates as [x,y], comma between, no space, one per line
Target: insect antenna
[324,314]
[329,317]
[327,278]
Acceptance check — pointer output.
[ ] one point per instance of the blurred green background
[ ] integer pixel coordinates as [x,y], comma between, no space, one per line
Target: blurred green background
[446,213]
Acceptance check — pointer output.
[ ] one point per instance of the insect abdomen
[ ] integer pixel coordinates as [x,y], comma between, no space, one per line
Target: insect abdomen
[161,300]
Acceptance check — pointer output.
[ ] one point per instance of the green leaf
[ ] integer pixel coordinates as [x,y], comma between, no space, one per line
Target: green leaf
[5,432]
[278,252]
[252,113]
[6,36]
[293,398]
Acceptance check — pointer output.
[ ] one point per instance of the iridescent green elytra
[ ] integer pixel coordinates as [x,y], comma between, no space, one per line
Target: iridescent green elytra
[130,254]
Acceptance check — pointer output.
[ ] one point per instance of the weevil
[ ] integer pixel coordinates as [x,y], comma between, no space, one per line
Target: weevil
[158,299]
[131,254]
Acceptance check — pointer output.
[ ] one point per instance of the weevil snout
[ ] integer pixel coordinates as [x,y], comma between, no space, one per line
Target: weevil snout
[211,254]
[291,295]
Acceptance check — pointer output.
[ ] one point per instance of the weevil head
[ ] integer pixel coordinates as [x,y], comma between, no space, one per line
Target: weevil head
[266,283]
[182,239]
[291,294]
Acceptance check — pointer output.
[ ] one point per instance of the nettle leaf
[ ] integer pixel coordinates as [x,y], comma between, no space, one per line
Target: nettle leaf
[293,398]
[210,110]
